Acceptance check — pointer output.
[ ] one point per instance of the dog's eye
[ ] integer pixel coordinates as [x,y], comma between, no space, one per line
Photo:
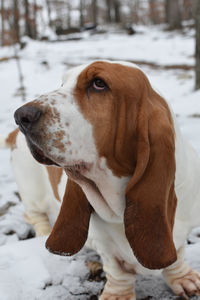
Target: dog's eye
[99,85]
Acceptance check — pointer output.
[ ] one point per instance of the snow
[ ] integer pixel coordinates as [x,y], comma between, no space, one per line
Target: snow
[27,269]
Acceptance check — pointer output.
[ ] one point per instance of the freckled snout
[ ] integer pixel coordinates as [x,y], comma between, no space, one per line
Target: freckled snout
[27,116]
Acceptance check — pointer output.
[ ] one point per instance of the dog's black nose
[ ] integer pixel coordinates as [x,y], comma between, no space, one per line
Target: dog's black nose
[26,116]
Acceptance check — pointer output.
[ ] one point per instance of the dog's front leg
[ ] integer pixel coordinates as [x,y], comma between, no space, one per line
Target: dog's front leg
[120,281]
[181,278]
[40,223]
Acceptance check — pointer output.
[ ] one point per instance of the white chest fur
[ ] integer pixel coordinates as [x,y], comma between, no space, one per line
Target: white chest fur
[105,192]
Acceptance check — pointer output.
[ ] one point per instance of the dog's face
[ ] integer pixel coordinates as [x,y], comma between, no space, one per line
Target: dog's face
[84,119]
[56,131]
[109,110]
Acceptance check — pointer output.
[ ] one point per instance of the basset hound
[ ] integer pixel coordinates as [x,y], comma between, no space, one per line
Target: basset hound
[133,191]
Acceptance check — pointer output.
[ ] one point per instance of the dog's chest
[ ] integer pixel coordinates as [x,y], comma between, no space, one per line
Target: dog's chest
[108,190]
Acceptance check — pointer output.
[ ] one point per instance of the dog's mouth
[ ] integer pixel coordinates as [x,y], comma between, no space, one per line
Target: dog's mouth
[39,155]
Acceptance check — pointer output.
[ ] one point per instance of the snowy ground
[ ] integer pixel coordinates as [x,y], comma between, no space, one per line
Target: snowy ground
[27,270]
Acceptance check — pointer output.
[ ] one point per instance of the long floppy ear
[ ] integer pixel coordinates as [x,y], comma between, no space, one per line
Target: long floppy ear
[150,195]
[70,231]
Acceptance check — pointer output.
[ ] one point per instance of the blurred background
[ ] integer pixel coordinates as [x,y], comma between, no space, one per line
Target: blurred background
[65,20]
[49,19]
[23,21]
[39,41]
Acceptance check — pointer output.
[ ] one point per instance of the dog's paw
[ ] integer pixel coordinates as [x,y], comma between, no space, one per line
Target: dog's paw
[108,296]
[187,285]
[95,267]
[42,229]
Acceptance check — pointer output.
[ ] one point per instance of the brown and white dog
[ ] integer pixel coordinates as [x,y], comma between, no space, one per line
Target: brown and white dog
[133,190]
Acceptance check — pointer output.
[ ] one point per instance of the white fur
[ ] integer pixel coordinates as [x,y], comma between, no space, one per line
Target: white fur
[41,206]
[3,143]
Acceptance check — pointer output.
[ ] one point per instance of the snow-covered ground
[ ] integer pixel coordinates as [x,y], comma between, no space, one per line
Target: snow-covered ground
[27,270]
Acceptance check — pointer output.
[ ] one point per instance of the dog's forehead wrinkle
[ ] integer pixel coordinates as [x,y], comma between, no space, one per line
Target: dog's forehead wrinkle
[70,78]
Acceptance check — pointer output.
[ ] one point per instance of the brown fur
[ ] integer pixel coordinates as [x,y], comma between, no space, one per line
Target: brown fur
[55,175]
[11,139]
[70,231]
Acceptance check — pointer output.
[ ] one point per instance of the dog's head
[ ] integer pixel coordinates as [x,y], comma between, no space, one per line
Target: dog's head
[109,110]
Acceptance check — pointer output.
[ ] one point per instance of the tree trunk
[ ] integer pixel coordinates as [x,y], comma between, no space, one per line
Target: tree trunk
[109,9]
[35,20]
[153,11]
[2,24]
[188,9]
[174,14]
[68,14]
[117,11]
[21,89]
[49,12]
[94,11]
[136,10]
[81,14]
[167,11]
[16,35]
[197,52]
[28,30]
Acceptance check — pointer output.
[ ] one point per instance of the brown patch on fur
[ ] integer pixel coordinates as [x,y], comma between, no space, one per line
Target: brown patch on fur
[55,175]
[58,145]
[95,267]
[57,140]
[50,117]
[11,139]
[126,267]
[56,114]
[133,130]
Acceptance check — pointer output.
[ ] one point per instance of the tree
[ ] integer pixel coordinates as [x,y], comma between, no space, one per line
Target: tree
[117,11]
[34,29]
[108,10]
[68,14]
[81,13]
[167,11]
[197,52]
[153,11]
[173,14]
[28,30]
[113,11]
[49,12]
[16,29]
[2,23]
[94,11]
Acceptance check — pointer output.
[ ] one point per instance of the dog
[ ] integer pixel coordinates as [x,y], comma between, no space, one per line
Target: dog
[133,191]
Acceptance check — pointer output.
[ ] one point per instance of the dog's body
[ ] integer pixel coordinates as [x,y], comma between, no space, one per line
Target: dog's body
[41,188]
[128,164]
